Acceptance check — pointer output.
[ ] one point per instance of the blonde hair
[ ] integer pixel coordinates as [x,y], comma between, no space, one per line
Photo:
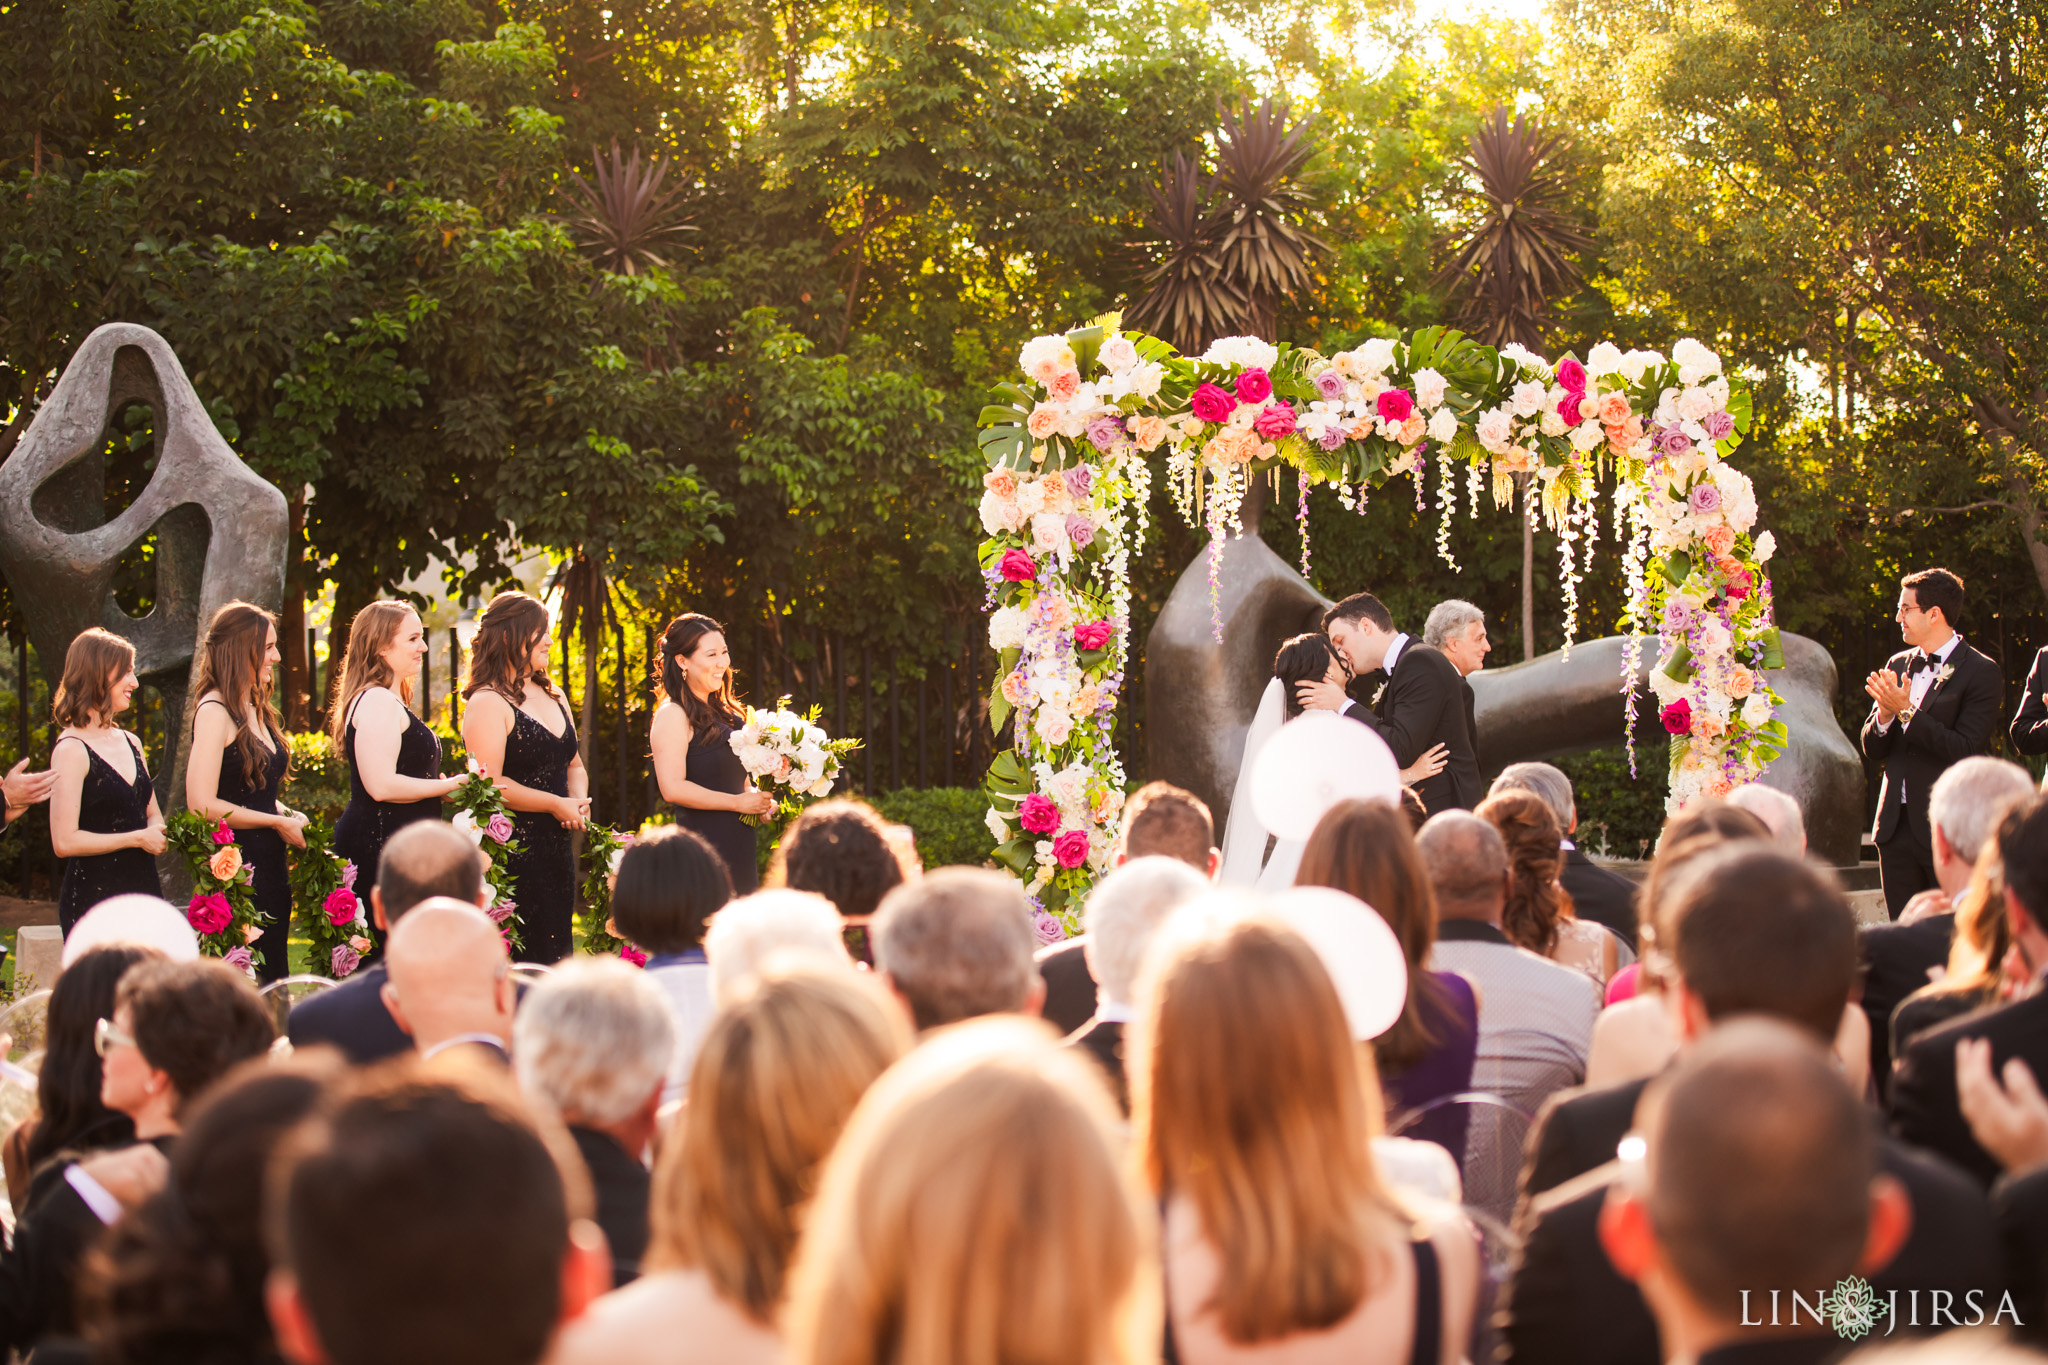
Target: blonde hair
[230,662]
[86,692]
[363,666]
[776,1077]
[1983,935]
[1249,1100]
[978,1212]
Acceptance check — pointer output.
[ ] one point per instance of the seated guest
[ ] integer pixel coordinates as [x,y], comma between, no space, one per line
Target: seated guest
[958,944]
[181,1277]
[1982,969]
[1752,932]
[2009,1116]
[1160,820]
[450,979]
[592,1043]
[779,1072]
[1121,914]
[755,930]
[978,1209]
[1780,813]
[425,859]
[671,882]
[1596,894]
[1899,958]
[176,1028]
[1922,1100]
[1364,847]
[1539,914]
[1535,1016]
[425,1219]
[1252,1118]
[1757,1167]
[840,849]
[69,1116]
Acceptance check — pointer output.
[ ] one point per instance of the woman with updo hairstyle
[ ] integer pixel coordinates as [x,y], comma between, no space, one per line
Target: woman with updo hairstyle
[694,765]
[104,819]
[779,1073]
[1538,915]
[238,762]
[516,724]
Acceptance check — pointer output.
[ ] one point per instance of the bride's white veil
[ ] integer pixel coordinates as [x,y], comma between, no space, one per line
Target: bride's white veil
[1244,837]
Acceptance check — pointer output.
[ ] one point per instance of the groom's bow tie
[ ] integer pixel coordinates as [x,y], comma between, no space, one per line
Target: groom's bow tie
[1921,660]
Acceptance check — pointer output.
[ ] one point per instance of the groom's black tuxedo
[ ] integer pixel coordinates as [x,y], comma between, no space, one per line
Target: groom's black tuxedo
[1421,705]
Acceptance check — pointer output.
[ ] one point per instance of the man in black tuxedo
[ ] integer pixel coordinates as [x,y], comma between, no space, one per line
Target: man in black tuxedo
[21,789]
[1934,703]
[1409,694]
[2029,733]
[1597,894]
[1922,1101]
[1756,933]
[1967,803]
[426,859]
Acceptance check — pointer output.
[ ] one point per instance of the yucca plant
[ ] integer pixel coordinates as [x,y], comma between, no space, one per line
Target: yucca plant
[1187,299]
[626,222]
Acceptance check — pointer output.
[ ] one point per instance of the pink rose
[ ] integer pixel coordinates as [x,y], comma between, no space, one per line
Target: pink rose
[348,875]
[1038,814]
[340,906]
[1070,850]
[1275,421]
[344,960]
[500,828]
[633,955]
[502,911]
[1210,404]
[209,914]
[1570,408]
[1254,386]
[222,834]
[1677,717]
[1018,567]
[1572,375]
[1739,585]
[1050,930]
[1064,385]
[241,959]
[1093,634]
[1395,405]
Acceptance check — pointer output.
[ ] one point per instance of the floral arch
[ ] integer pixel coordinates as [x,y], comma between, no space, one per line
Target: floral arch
[1070,477]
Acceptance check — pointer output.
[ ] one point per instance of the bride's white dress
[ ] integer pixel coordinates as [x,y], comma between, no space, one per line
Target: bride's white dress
[1245,860]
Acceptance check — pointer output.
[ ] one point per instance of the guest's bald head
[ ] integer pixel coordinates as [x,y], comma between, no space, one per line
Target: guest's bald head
[1468,865]
[425,859]
[449,973]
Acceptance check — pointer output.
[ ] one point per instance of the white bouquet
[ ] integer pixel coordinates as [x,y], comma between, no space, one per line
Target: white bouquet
[790,757]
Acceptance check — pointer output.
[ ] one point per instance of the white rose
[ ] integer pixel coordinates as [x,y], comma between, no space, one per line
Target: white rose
[996,513]
[1048,531]
[1376,355]
[1766,546]
[1429,388]
[1030,498]
[1587,435]
[1006,629]
[1603,359]
[1756,711]
[1118,354]
[1695,404]
[1528,398]
[1145,380]
[1714,639]
[1443,427]
[1494,430]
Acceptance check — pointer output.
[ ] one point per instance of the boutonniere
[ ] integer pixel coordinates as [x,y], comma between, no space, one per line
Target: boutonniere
[1377,693]
[1943,674]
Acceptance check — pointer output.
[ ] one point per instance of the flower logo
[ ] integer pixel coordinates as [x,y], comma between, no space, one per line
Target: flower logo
[1852,1307]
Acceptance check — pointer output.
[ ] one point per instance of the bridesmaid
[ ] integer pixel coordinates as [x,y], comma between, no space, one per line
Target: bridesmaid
[698,772]
[516,724]
[238,762]
[104,821]
[394,760]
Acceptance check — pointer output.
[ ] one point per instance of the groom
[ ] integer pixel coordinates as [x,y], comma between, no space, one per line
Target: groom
[1409,694]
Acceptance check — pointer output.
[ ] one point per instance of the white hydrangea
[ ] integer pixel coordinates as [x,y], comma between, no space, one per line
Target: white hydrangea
[1006,629]
[1738,496]
[1043,356]
[1375,356]
[1249,352]
[1552,422]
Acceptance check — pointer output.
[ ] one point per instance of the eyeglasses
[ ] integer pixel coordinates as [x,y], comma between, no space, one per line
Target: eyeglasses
[105,1035]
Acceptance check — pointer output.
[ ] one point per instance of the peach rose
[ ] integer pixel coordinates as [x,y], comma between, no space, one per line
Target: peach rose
[1000,482]
[1043,422]
[1728,566]
[1722,786]
[1057,499]
[1064,385]
[1413,429]
[1741,683]
[1150,432]
[1086,700]
[1720,540]
[1359,430]
[1054,612]
[359,943]
[226,863]
[1613,409]
[1013,687]
[1706,725]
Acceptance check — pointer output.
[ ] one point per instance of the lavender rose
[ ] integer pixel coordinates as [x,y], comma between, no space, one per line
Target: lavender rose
[1080,478]
[1105,432]
[344,960]
[1704,498]
[1720,426]
[1080,530]
[1672,441]
[1332,437]
[1330,386]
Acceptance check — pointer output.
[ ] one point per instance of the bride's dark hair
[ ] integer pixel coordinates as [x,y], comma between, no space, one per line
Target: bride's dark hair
[1305,658]
[716,714]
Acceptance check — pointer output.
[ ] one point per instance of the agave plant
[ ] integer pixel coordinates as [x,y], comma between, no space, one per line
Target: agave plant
[626,221]
[1187,299]
[1514,263]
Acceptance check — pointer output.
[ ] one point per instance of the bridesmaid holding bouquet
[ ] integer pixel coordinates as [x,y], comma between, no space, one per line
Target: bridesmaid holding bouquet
[694,764]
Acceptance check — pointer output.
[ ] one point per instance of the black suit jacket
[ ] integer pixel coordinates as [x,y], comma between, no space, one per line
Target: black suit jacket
[351,1017]
[2029,733]
[2020,1204]
[622,1186]
[1103,1039]
[1471,718]
[1577,1131]
[1424,705]
[1069,989]
[1922,1100]
[1955,720]
[1896,959]
[1599,895]
[1565,1304]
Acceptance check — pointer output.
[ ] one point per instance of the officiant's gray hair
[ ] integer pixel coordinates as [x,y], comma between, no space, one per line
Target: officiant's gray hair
[1543,781]
[593,1040]
[1123,911]
[1446,619]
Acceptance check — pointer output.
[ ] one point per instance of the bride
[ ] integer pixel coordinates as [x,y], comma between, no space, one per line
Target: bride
[1305,658]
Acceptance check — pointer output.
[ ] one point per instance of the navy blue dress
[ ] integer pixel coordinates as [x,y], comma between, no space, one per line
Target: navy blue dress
[544,869]
[360,833]
[262,850]
[108,803]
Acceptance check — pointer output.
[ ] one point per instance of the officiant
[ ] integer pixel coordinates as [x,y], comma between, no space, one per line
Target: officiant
[1408,693]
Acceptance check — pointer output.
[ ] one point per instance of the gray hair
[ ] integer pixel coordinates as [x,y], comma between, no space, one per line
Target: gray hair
[779,923]
[1546,783]
[1123,911]
[956,944]
[1466,858]
[1779,812]
[1971,798]
[592,1041]
[1447,618]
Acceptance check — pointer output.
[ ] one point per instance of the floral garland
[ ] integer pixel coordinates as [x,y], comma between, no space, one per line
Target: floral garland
[481,813]
[1066,453]
[222,910]
[603,847]
[325,904]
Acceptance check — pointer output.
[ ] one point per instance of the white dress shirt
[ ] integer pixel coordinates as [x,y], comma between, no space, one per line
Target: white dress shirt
[1386,665]
[1920,685]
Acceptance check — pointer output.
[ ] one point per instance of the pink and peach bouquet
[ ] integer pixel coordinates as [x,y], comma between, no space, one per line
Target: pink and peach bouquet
[222,910]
